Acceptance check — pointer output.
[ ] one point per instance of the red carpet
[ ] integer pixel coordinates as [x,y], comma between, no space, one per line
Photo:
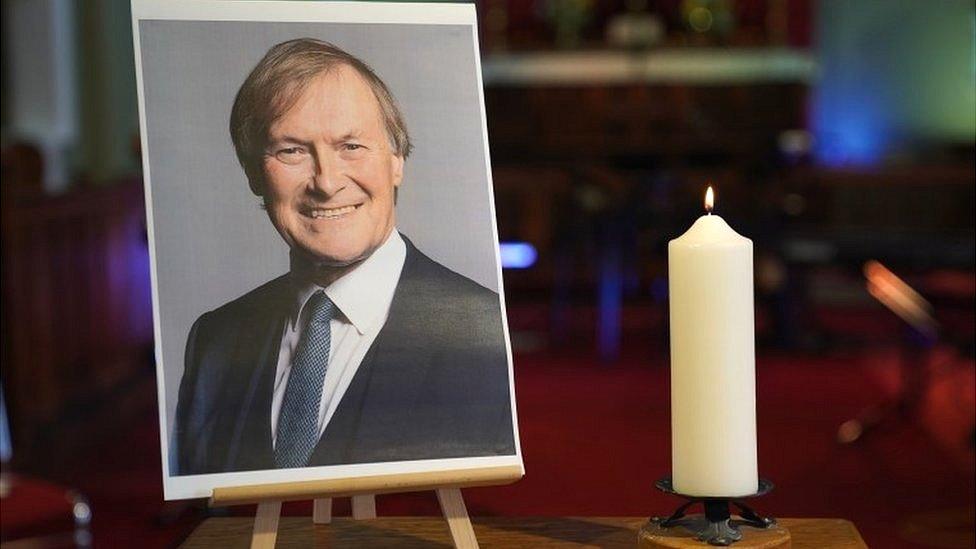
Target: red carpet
[595,438]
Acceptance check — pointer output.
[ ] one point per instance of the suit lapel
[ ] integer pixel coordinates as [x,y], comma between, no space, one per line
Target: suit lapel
[388,375]
[257,356]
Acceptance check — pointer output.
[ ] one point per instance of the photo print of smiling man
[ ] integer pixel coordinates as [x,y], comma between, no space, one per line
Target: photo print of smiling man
[325,257]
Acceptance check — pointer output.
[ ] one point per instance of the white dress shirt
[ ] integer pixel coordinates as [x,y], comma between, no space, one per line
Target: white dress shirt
[363,297]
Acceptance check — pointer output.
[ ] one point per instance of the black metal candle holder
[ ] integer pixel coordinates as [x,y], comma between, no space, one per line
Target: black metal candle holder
[717,527]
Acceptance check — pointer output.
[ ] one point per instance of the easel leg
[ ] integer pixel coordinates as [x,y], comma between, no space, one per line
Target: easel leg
[456,514]
[364,507]
[322,511]
[266,525]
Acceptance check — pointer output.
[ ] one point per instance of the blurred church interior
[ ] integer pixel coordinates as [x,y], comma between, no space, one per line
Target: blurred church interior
[839,136]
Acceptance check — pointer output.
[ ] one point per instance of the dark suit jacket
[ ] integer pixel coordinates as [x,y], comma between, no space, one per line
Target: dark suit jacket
[434,383]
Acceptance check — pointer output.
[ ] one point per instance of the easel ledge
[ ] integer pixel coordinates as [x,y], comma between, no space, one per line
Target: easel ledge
[379,484]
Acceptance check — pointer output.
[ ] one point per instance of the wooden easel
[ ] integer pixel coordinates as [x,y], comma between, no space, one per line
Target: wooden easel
[363,490]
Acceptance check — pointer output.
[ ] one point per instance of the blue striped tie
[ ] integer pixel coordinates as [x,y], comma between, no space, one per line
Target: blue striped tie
[298,430]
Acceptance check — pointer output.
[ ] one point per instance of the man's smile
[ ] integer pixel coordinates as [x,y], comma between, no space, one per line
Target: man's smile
[329,188]
[329,213]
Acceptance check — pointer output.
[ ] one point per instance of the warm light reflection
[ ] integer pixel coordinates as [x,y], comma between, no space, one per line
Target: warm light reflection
[895,294]
[709,200]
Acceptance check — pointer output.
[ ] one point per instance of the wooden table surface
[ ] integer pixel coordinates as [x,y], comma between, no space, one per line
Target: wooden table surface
[604,532]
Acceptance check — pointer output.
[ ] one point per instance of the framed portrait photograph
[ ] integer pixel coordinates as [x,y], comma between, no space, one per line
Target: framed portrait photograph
[327,288]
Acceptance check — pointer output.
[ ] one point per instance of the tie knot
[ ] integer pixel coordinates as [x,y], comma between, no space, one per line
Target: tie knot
[320,308]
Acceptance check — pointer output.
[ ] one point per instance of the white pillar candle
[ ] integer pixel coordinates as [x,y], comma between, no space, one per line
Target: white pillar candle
[713,364]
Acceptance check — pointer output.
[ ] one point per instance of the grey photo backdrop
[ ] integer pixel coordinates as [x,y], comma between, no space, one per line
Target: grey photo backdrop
[213,242]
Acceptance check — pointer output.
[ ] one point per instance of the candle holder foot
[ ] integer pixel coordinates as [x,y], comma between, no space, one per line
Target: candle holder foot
[716,526]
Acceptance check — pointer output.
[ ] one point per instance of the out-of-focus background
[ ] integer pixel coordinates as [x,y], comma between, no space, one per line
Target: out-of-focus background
[839,136]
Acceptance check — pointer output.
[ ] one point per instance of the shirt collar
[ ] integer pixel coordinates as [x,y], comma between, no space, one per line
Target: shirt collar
[364,294]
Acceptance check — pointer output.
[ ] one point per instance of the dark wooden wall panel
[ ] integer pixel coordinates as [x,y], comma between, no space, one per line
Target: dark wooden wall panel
[77,318]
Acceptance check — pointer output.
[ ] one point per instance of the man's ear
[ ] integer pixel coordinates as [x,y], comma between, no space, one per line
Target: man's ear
[397,170]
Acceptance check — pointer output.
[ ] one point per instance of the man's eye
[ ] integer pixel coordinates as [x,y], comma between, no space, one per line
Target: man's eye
[290,155]
[352,146]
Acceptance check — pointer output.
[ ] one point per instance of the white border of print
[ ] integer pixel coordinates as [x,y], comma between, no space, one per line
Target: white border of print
[198,486]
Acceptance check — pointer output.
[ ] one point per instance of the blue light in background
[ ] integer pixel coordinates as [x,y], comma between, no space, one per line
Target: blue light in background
[517,255]
[894,78]
[849,133]
[852,100]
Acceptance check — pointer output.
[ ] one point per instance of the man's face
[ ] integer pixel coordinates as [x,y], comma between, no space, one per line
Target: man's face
[330,171]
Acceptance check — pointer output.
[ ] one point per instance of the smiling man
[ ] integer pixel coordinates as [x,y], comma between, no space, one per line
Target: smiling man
[367,350]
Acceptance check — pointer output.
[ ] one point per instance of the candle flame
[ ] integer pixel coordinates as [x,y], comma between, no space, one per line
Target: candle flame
[709,200]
